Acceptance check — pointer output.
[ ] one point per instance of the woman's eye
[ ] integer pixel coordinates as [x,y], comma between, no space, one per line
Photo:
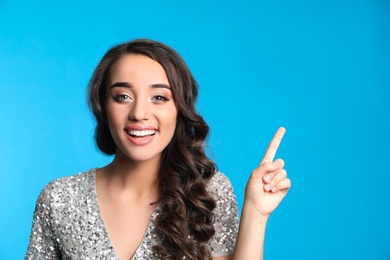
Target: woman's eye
[159,98]
[122,98]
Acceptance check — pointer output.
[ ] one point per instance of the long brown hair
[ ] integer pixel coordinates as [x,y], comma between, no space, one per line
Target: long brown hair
[185,222]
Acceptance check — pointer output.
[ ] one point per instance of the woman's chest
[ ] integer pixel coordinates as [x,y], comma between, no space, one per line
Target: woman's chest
[81,232]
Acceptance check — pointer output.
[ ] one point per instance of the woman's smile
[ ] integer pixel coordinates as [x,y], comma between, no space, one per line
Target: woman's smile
[140,135]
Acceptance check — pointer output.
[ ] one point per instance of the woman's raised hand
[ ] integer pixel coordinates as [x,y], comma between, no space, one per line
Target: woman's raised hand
[266,187]
[268,183]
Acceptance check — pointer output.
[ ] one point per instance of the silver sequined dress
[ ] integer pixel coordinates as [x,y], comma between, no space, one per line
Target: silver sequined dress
[68,223]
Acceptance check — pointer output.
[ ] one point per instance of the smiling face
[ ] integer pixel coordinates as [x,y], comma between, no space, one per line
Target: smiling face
[141,112]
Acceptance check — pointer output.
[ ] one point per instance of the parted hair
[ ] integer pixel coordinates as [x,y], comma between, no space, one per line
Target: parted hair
[185,222]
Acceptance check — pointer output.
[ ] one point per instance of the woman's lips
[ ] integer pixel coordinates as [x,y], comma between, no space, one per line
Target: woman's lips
[140,135]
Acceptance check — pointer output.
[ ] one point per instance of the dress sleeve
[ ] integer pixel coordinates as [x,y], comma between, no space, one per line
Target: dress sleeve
[226,216]
[42,243]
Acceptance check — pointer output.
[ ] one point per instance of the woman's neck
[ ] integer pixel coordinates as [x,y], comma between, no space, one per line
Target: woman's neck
[138,178]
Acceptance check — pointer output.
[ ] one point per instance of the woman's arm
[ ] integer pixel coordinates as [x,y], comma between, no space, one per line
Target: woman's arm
[250,237]
[266,187]
[42,244]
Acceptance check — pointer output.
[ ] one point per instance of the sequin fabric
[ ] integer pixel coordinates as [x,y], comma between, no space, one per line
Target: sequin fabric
[68,223]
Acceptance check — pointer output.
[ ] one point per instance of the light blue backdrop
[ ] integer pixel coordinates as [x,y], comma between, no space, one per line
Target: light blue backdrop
[319,68]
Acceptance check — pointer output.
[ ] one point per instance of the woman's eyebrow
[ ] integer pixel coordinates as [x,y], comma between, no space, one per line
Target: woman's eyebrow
[121,84]
[129,85]
[160,85]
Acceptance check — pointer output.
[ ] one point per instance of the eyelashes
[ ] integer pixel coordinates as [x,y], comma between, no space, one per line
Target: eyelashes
[159,99]
[124,98]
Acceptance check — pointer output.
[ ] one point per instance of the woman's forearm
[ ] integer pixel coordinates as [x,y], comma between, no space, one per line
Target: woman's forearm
[250,240]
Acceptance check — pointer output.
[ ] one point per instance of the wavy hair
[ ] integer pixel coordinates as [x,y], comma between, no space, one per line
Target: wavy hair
[185,222]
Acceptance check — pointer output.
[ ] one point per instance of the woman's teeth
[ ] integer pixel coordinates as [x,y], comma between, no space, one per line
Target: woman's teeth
[141,133]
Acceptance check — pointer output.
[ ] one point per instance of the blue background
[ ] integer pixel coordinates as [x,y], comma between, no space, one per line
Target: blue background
[319,68]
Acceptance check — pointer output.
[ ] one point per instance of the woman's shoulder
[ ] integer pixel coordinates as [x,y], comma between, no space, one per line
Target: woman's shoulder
[220,186]
[69,186]
[71,181]
[219,181]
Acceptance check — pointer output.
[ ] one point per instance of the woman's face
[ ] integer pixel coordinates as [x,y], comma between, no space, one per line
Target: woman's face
[141,112]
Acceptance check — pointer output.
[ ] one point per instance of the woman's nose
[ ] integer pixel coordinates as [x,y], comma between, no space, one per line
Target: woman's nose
[140,110]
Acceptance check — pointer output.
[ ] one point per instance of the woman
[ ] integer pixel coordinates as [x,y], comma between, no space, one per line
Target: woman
[160,197]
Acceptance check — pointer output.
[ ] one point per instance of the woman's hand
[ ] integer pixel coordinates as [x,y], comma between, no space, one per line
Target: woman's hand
[268,183]
[266,187]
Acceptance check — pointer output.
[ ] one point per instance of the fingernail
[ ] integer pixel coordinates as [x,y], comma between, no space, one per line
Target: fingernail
[267,187]
[277,163]
[267,178]
[273,189]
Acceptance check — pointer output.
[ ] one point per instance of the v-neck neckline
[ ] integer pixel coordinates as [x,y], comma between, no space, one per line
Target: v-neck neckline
[107,235]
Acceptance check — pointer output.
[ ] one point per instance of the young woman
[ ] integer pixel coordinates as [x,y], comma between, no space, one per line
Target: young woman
[160,197]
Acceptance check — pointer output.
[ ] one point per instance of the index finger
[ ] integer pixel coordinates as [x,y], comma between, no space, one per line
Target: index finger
[273,146]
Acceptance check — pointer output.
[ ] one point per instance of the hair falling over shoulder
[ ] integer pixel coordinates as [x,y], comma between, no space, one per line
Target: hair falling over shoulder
[185,203]
[185,219]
